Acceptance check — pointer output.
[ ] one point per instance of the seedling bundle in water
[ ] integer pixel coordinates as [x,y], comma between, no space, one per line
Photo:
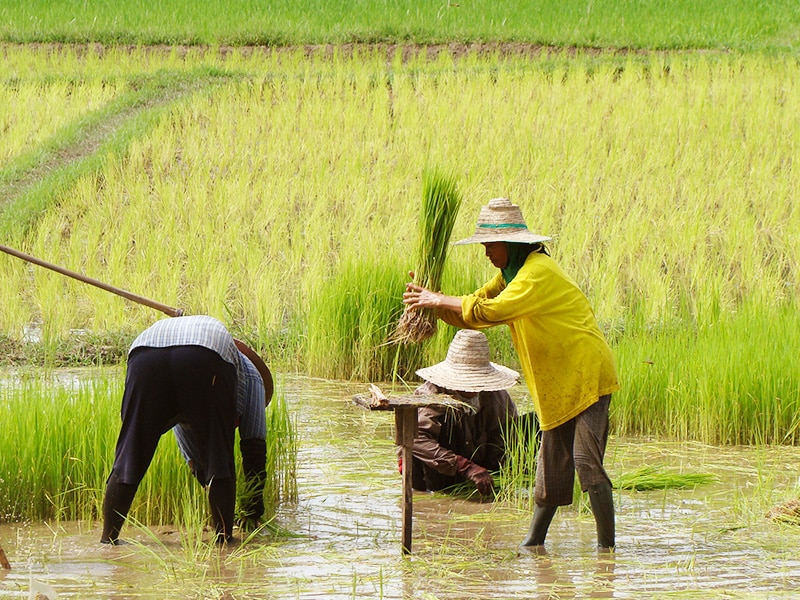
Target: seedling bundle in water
[440,204]
[655,478]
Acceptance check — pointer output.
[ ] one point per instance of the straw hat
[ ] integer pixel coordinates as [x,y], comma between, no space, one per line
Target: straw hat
[501,221]
[467,368]
[260,366]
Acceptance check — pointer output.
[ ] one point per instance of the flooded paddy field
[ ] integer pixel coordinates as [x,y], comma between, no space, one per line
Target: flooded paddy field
[342,537]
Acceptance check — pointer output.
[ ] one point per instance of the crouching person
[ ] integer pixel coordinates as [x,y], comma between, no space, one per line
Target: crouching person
[463,444]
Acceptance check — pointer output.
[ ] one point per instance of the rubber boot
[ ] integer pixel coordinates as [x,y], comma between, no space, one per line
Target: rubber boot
[116,504]
[222,500]
[540,523]
[601,499]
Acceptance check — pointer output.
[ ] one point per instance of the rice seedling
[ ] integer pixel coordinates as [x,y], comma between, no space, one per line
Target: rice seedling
[438,212]
[787,512]
[652,477]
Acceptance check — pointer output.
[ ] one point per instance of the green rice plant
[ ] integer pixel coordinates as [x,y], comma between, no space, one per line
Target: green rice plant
[515,481]
[282,449]
[687,384]
[51,469]
[652,477]
[438,212]
[350,317]
[669,202]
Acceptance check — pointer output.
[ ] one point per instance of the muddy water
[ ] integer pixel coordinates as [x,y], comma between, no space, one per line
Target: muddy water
[709,542]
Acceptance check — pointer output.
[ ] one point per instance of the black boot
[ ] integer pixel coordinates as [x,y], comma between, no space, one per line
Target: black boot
[601,499]
[542,517]
[116,504]
[222,500]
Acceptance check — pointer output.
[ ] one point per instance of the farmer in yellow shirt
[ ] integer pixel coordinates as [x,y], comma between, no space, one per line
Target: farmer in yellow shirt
[567,362]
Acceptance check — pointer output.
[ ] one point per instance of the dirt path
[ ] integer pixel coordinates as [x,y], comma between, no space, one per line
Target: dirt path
[88,140]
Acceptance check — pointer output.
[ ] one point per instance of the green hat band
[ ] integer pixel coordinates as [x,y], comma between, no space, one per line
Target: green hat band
[502,226]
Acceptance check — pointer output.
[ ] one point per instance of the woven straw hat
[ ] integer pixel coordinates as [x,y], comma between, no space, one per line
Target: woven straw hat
[467,368]
[501,221]
[260,366]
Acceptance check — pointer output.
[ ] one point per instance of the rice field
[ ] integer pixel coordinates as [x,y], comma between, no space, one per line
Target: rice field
[279,192]
[713,539]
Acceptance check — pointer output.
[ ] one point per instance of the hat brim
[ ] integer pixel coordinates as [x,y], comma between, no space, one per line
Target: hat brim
[260,366]
[522,236]
[492,378]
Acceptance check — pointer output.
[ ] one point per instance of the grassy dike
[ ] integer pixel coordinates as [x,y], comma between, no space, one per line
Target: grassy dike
[672,24]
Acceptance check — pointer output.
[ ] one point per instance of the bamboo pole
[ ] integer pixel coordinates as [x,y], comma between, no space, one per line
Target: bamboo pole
[168,310]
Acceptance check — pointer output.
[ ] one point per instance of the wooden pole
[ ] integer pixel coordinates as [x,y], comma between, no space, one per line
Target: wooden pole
[168,310]
[406,426]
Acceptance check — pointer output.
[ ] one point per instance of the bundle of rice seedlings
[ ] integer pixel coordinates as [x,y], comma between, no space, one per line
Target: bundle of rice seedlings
[788,512]
[440,204]
[655,478]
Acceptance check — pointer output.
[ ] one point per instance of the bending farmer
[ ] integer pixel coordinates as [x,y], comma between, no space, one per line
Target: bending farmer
[567,362]
[454,445]
[188,373]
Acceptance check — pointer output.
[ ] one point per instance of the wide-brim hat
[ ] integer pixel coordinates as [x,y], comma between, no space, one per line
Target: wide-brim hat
[467,367]
[260,366]
[501,221]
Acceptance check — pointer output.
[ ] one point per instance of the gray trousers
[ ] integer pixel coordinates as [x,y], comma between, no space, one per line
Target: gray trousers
[577,445]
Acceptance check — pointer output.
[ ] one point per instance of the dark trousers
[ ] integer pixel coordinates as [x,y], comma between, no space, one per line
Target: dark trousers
[577,445]
[163,386]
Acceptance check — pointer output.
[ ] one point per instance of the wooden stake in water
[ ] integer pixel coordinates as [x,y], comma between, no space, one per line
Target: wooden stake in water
[405,420]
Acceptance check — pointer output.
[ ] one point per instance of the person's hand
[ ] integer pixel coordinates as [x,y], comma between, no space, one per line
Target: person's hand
[417,296]
[476,474]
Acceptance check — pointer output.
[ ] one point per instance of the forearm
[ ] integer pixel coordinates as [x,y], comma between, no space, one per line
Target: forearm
[435,456]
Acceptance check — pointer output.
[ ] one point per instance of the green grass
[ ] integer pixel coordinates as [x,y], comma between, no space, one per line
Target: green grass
[738,24]
[57,448]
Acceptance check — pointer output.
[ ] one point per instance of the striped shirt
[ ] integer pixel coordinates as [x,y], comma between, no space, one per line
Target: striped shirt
[196,330]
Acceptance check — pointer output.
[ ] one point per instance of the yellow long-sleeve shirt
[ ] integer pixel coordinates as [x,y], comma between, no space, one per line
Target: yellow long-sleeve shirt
[566,361]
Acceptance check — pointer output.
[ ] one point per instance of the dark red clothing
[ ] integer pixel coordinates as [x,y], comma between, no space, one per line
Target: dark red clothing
[443,434]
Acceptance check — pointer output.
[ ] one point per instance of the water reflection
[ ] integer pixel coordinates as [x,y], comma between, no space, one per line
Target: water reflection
[708,542]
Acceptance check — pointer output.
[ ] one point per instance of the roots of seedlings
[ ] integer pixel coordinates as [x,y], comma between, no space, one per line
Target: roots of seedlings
[414,325]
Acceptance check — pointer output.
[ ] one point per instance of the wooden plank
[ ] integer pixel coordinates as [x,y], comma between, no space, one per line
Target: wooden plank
[406,425]
[372,402]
